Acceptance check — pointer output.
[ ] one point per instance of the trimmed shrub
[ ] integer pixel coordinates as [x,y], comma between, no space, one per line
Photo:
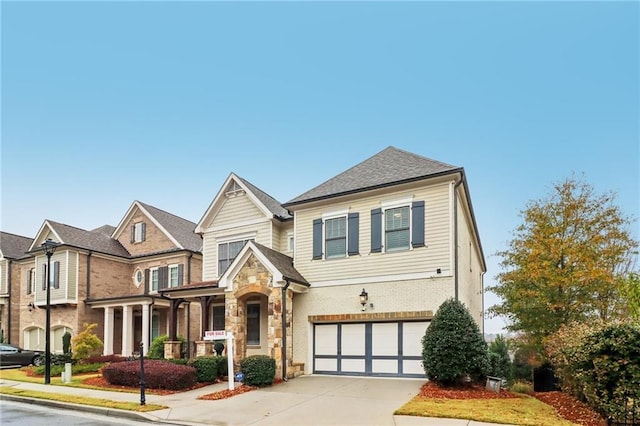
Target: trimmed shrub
[104,359]
[66,343]
[157,374]
[86,343]
[178,361]
[607,367]
[259,370]
[61,359]
[56,370]
[453,347]
[223,366]
[522,387]
[206,368]
[156,348]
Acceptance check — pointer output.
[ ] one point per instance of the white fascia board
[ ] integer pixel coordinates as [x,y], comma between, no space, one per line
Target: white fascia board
[39,239]
[226,280]
[162,228]
[383,278]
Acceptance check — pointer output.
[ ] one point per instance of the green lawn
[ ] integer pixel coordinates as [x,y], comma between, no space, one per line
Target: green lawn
[518,411]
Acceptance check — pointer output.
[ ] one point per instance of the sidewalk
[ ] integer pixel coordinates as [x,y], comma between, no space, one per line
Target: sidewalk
[306,400]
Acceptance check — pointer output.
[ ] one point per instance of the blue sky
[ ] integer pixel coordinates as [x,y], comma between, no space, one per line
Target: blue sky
[104,103]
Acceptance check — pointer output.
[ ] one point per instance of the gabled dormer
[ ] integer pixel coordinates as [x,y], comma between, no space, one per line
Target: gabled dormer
[240,212]
[145,229]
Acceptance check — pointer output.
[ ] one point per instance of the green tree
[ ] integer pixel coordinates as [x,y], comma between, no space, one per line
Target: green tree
[453,346]
[565,261]
[631,291]
[499,358]
[85,343]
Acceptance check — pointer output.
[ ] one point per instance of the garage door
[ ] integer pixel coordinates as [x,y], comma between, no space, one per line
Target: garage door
[391,349]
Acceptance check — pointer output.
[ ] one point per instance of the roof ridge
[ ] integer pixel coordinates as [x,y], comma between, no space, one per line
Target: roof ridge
[164,211]
[15,235]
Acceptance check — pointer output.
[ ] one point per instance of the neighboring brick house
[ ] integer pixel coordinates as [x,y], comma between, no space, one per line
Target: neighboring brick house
[376,250]
[13,250]
[111,276]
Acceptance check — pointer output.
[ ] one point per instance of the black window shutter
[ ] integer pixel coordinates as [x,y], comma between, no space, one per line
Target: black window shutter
[317,239]
[144,231]
[133,233]
[163,277]
[29,281]
[146,281]
[417,228]
[56,274]
[354,233]
[376,230]
[44,276]
[180,273]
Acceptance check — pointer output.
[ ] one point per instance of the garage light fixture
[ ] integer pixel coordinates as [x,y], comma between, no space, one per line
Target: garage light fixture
[364,297]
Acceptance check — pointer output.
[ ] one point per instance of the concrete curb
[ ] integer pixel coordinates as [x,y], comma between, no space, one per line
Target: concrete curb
[109,412]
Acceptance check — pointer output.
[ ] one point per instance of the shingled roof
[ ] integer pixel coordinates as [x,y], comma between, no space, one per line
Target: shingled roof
[390,166]
[89,240]
[14,246]
[271,203]
[282,262]
[181,229]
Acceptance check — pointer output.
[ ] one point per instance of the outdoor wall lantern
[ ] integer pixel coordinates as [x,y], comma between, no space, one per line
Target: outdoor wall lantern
[31,306]
[49,248]
[364,297]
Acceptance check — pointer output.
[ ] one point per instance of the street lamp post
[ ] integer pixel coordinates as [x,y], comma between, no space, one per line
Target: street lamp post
[49,247]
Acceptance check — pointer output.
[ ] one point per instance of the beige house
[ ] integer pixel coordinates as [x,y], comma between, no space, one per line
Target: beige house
[344,278]
[110,276]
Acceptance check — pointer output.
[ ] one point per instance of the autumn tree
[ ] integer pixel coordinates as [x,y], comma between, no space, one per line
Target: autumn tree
[86,343]
[565,261]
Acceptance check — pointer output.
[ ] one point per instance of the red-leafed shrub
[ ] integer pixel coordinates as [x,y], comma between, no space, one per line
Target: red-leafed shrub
[97,359]
[157,374]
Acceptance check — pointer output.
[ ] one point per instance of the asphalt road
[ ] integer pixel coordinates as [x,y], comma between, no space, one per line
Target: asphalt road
[16,413]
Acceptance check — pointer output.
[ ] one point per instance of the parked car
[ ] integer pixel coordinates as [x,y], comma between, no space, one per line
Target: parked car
[14,355]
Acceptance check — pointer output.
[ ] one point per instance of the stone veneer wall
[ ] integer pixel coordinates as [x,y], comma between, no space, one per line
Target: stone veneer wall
[252,280]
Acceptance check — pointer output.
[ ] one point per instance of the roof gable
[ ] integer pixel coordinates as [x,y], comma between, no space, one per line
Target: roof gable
[178,230]
[14,246]
[280,265]
[391,166]
[269,206]
[70,235]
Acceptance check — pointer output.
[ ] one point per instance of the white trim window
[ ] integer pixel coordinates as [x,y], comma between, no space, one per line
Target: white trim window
[174,276]
[138,232]
[253,324]
[397,228]
[154,272]
[228,251]
[335,237]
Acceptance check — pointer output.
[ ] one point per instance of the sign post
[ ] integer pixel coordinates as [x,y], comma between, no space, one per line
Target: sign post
[230,375]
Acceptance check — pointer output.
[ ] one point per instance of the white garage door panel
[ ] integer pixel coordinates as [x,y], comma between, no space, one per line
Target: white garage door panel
[326,364]
[387,366]
[353,336]
[353,366]
[412,333]
[369,348]
[326,340]
[384,338]
[410,366]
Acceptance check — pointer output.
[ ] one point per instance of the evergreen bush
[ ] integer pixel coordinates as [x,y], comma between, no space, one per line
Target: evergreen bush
[66,343]
[453,347]
[259,370]
[499,361]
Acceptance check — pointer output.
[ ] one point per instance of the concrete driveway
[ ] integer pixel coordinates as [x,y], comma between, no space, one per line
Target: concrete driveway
[306,400]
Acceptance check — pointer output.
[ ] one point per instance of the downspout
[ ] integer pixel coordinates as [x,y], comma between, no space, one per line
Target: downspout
[455,234]
[284,329]
[7,335]
[189,268]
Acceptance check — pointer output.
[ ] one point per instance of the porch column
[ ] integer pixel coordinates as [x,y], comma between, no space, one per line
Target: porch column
[145,327]
[127,331]
[204,315]
[108,331]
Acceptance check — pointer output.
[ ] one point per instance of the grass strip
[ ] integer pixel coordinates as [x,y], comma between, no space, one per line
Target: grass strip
[516,411]
[83,400]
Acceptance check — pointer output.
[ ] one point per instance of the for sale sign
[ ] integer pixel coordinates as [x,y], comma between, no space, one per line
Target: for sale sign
[215,335]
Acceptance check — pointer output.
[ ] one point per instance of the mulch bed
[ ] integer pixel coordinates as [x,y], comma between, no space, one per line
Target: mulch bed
[570,408]
[471,391]
[565,405]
